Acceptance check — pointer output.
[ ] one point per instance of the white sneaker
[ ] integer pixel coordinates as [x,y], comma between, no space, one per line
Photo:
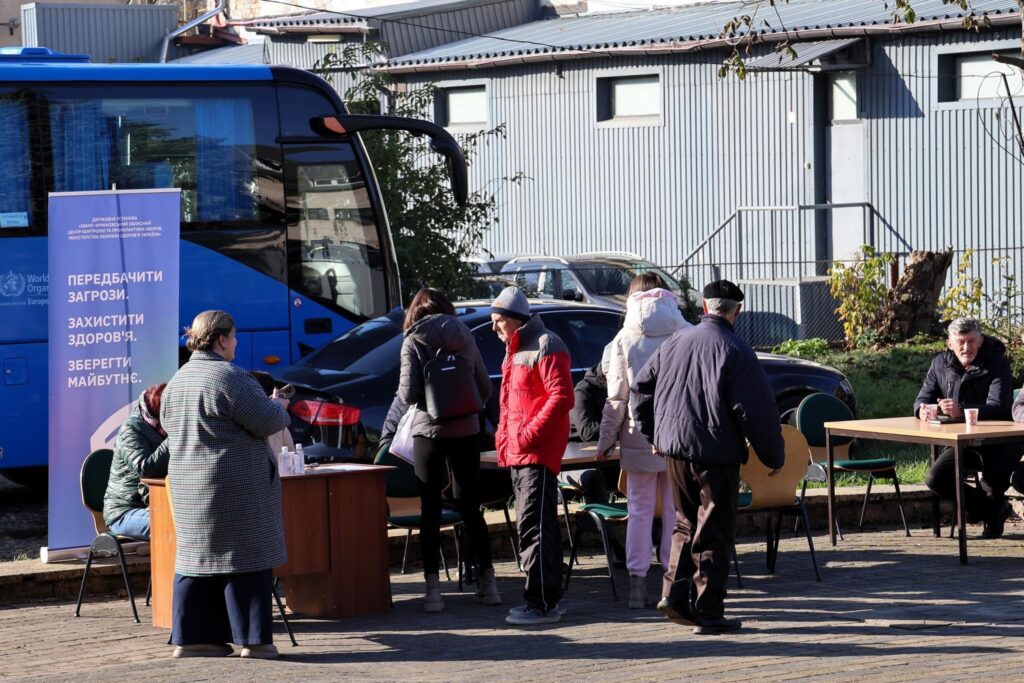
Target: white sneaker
[533,616]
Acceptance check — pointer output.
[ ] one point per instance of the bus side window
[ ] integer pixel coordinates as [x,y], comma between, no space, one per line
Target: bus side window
[15,169]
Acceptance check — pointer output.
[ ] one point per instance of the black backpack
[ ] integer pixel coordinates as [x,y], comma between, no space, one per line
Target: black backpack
[449,387]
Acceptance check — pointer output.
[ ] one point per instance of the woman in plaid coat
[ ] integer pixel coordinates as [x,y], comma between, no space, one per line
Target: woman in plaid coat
[225,495]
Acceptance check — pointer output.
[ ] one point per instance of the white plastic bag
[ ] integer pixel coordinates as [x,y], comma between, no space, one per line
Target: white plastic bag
[401,445]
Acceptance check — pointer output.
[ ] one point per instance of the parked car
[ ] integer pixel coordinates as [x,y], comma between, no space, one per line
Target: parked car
[345,387]
[600,278]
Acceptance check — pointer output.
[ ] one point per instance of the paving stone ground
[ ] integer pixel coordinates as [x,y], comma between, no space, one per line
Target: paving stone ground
[890,609]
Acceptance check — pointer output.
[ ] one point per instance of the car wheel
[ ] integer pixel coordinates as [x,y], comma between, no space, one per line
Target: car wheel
[787,409]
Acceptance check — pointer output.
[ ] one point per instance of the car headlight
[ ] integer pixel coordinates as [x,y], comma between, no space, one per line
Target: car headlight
[844,389]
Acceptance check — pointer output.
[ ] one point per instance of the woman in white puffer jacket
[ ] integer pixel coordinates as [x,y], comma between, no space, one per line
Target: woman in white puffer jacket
[652,316]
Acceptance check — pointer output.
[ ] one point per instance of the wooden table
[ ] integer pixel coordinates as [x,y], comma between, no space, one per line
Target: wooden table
[915,431]
[577,455]
[335,528]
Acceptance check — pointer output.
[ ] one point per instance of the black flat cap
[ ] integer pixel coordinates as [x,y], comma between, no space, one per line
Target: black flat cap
[722,289]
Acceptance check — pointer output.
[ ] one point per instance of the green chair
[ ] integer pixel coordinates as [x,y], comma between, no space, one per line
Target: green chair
[604,514]
[404,506]
[811,415]
[93,480]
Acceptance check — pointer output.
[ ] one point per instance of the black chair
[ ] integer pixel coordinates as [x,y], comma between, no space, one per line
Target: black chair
[94,476]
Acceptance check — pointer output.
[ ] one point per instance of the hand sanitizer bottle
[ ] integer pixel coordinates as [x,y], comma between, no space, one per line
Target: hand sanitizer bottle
[301,457]
[284,464]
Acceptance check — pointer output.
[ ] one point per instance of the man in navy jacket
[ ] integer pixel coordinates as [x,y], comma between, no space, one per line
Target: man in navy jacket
[972,373]
[698,400]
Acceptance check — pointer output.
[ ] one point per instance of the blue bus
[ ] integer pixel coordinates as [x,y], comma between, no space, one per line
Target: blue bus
[282,222]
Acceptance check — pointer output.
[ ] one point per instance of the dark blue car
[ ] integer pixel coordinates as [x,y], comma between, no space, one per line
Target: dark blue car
[345,387]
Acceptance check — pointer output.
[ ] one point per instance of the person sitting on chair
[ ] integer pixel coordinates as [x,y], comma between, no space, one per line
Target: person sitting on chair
[140,450]
[972,373]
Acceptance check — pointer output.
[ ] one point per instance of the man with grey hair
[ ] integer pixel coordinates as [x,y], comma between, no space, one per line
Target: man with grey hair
[972,373]
[698,400]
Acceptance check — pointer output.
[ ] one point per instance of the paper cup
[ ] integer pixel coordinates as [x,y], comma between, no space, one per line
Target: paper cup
[971,417]
[931,411]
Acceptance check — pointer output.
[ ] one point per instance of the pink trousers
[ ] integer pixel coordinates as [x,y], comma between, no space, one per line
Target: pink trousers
[643,489]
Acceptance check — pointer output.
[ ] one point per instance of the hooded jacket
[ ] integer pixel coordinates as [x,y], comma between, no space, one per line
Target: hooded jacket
[139,451]
[987,385]
[703,394]
[422,341]
[536,397]
[651,318]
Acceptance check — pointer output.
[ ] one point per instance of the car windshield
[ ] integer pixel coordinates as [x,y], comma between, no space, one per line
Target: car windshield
[607,278]
[370,348]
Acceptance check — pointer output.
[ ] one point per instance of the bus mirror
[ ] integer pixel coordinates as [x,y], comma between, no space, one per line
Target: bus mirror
[441,141]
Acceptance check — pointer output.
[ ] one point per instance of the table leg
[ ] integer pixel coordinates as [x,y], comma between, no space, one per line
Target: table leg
[831,488]
[957,472]
[936,526]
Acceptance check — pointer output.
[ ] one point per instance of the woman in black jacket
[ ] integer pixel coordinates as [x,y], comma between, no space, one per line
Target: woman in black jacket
[444,381]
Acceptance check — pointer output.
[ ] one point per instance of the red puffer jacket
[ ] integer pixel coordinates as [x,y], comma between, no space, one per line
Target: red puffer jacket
[536,397]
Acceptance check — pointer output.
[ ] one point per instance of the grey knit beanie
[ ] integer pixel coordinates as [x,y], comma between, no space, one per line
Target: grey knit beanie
[512,302]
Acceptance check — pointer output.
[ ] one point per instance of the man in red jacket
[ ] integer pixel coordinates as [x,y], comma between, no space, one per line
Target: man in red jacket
[536,397]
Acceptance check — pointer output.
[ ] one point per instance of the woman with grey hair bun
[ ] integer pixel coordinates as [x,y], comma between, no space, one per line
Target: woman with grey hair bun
[225,497]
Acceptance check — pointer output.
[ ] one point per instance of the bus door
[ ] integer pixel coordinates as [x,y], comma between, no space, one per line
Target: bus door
[338,251]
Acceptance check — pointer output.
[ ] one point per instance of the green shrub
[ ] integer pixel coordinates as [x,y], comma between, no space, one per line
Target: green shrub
[860,290]
[803,348]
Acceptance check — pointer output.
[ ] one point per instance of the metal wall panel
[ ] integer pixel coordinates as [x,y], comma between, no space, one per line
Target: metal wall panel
[108,33]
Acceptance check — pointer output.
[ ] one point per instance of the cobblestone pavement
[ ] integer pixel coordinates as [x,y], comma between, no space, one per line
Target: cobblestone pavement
[890,609]
[22,521]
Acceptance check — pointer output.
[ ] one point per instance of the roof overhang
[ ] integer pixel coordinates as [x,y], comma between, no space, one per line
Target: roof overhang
[840,54]
[294,29]
[688,46]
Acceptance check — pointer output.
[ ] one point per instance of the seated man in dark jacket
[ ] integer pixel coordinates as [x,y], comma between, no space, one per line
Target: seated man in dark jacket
[589,394]
[140,450]
[1017,480]
[973,373]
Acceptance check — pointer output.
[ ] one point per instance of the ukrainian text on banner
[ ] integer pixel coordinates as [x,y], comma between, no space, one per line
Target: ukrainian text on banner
[113,329]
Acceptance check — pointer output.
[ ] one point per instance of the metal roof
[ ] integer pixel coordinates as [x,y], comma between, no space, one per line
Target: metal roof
[694,24]
[251,53]
[363,15]
[806,53]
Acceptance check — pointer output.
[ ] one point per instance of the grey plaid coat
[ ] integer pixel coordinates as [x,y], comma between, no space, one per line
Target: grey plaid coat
[225,491]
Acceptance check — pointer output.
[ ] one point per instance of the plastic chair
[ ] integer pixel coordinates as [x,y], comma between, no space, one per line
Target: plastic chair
[604,514]
[404,510]
[93,481]
[776,496]
[811,415]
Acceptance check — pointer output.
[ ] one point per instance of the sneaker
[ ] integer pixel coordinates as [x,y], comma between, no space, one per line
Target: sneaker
[533,616]
[675,614]
[715,627]
[519,609]
[265,651]
[561,608]
[202,650]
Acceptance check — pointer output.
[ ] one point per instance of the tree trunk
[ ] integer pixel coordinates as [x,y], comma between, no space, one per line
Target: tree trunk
[910,306]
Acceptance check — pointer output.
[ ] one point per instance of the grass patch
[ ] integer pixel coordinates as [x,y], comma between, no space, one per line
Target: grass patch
[886,383]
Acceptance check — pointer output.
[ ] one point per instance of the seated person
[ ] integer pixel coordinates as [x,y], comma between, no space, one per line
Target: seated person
[140,450]
[585,421]
[282,438]
[973,373]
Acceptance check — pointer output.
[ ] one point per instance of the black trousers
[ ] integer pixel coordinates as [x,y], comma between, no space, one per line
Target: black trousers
[704,535]
[226,608]
[996,464]
[540,536]
[462,455]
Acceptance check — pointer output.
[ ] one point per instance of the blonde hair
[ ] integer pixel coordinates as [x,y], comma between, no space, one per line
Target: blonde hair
[206,328]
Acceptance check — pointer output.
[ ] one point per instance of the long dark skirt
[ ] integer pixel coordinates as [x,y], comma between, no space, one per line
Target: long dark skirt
[226,608]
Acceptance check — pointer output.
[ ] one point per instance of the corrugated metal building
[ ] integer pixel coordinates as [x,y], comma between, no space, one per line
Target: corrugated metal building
[632,141]
[303,40]
[107,33]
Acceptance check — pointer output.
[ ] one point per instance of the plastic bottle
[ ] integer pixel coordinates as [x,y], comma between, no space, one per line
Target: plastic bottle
[301,458]
[284,464]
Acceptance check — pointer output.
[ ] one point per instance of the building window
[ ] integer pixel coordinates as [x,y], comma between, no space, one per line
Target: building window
[463,107]
[843,96]
[979,77]
[628,98]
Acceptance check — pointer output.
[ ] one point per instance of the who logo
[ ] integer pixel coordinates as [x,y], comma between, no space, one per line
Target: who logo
[12,284]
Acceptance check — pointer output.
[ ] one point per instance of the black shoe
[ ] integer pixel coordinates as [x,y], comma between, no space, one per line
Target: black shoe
[675,614]
[995,525]
[714,627]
